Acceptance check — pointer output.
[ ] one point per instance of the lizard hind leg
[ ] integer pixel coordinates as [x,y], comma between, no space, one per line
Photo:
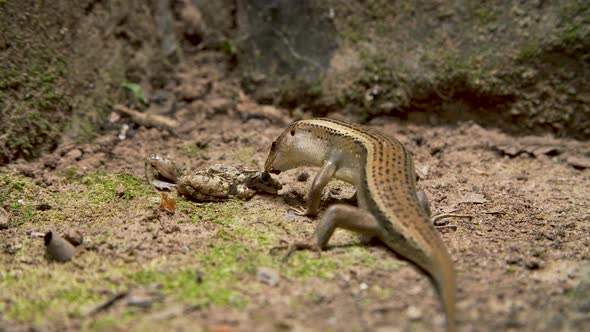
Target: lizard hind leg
[339,216]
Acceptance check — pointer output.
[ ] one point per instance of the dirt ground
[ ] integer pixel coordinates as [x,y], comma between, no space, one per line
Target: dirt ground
[522,260]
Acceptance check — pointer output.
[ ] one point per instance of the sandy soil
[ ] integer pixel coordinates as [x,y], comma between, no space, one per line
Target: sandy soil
[523,259]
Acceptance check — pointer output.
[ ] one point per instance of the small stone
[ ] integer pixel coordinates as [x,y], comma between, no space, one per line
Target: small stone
[74,237]
[121,190]
[74,154]
[51,163]
[268,276]
[387,107]
[303,176]
[43,207]
[414,313]
[579,162]
[141,298]
[533,264]
[4,219]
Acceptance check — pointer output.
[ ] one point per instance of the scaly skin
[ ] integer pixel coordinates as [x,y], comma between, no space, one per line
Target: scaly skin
[383,173]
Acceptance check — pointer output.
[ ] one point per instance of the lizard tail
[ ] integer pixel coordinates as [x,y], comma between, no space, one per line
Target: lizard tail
[444,277]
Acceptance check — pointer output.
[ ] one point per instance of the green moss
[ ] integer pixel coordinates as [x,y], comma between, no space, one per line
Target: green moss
[230,49]
[353,36]
[511,268]
[316,90]
[218,213]
[570,36]
[31,102]
[41,293]
[194,149]
[104,323]
[16,194]
[71,173]
[530,52]
[102,187]
[569,293]
[487,15]
[244,155]
[207,282]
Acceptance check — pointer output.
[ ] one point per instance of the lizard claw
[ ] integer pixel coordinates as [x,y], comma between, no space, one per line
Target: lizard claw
[444,223]
[299,211]
[295,246]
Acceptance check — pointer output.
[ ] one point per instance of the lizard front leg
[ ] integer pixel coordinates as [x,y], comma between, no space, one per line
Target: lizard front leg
[314,195]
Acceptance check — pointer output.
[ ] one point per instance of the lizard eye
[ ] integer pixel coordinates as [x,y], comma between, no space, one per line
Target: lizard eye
[273,145]
[292,132]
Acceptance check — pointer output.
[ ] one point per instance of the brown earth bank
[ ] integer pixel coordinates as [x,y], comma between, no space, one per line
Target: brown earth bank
[522,259]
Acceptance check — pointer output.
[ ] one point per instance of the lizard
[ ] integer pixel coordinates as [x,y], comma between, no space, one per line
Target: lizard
[389,208]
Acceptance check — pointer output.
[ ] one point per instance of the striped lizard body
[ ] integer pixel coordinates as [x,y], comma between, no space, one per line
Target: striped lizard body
[382,171]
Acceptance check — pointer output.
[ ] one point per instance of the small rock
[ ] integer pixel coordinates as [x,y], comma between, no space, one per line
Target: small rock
[267,275]
[74,237]
[4,219]
[74,154]
[10,249]
[43,207]
[533,264]
[114,117]
[418,139]
[200,277]
[51,163]
[141,298]
[413,313]
[121,190]
[26,171]
[303,176]
[219,105]
[436,150]
[294,217]
[579,162]
[513,260]
[387,107]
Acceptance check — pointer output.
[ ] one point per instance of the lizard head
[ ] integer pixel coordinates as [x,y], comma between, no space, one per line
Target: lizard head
[283,151]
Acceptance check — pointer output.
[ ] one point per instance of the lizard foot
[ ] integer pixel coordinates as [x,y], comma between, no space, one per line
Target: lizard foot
[291,247]
[299,211]
[444,223]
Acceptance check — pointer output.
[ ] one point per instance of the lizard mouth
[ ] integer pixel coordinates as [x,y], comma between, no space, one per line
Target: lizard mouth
[274,171]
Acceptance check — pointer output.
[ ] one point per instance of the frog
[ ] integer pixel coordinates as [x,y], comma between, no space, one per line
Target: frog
[161,173]
[212,184]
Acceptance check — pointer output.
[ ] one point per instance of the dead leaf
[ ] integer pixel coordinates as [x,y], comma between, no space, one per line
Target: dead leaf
[167,204]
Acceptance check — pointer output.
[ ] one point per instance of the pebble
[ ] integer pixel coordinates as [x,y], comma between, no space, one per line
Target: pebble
[268,276]
[303,176]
